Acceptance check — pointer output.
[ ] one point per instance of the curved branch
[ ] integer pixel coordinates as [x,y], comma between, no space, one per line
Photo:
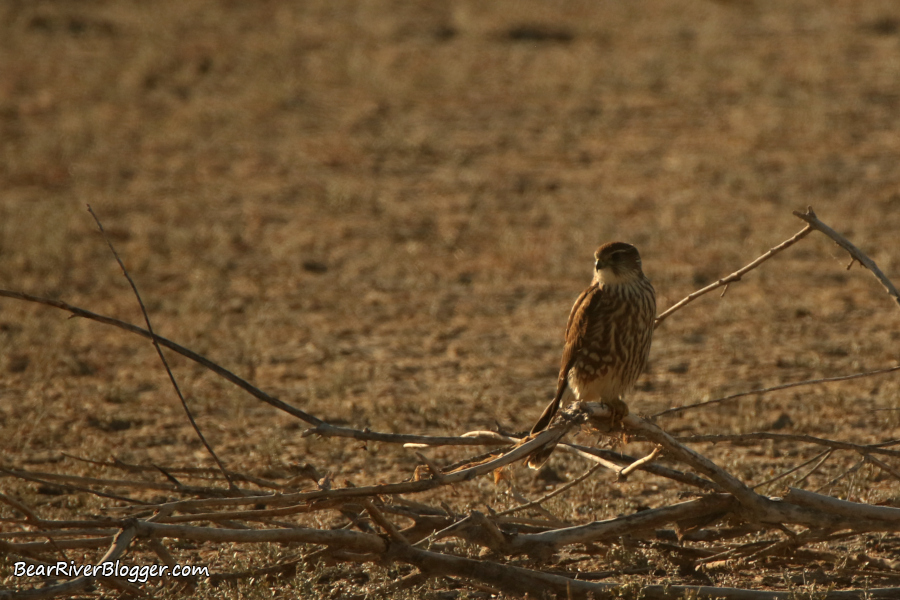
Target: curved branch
[855,253]
[222,372]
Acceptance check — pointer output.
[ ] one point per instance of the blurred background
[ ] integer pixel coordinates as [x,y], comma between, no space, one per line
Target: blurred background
[381,211]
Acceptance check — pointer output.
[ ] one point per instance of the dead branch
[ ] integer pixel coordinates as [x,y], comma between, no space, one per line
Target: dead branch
[189,354]
[783,386]
[528,583]
[639,463]
[716,504]
[355,541]
[760,508]
[383,522]
[791,437]
[794,469]
[162,357]
[327,430]
[28,477]
[623,460]
[855,253]
[736,276]
[884,466]
[554,493]
[120,483]
[853,510]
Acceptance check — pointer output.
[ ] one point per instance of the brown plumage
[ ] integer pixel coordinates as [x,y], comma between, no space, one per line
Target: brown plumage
[607,337]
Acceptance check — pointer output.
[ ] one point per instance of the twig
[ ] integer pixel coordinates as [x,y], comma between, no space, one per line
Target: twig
[736,276]
[554,493]
[382,522]
[791,437]
[852,469]
[623,460]
[412,441]
[624,473]
[826,454]
[162,357]
[855,253]
[884,466]
[731,484]
[28,477]
[406,487]
[320,426]
[784,386]
[815,468]
[29,514]
[189,354]
[139,485]
[194,471]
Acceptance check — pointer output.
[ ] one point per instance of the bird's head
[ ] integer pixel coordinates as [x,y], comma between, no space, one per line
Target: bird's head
[617,262]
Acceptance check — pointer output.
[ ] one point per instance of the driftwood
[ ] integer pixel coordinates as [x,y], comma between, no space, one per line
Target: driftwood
[237,508]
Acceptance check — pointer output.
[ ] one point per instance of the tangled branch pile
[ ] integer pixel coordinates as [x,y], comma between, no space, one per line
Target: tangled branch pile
[724,524]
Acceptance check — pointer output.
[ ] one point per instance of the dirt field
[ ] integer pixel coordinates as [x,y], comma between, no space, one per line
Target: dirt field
[381,212]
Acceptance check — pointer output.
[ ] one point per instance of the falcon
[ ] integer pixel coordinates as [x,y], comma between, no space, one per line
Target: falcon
[607,338]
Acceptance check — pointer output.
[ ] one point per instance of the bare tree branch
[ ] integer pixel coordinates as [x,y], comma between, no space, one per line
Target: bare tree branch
[856,254]
[736,276]
[843,507]
[162,357]
[190,354]
[792,437]
[783,386]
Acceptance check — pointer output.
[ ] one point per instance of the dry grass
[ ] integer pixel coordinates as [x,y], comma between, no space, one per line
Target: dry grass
[381,212]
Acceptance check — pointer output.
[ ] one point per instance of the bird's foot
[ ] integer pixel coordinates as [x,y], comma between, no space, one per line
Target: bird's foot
[618,410]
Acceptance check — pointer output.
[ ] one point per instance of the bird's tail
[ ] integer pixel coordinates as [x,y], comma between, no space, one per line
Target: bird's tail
[540,456]
[537,460]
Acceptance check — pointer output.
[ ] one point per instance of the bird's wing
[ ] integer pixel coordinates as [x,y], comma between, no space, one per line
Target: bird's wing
[576,329]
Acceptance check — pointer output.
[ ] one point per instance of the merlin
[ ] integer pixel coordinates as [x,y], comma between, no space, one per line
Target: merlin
[607,338]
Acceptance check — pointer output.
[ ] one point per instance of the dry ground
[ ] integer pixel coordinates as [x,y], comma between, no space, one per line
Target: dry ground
[381,212]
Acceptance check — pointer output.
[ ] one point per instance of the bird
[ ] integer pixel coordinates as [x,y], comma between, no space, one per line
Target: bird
[608,337]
